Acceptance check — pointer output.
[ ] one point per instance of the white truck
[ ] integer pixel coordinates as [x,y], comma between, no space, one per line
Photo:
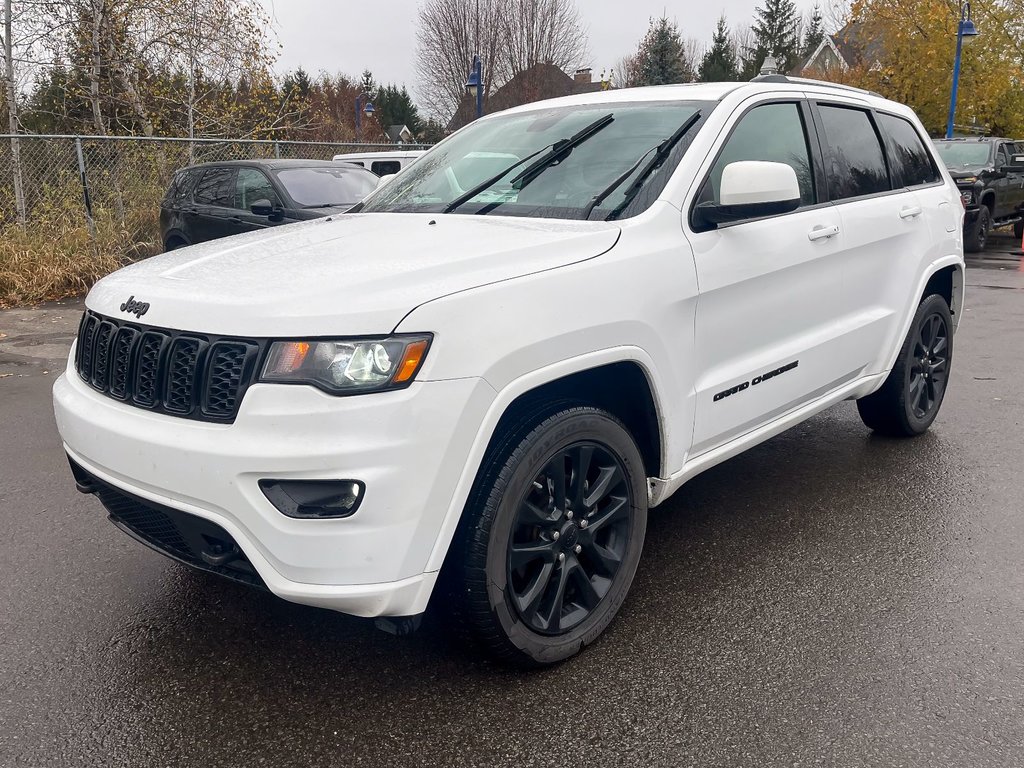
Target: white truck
[474,387]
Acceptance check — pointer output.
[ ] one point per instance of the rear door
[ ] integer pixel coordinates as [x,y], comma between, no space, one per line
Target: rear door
[765,334]
[886,230]
[213,204]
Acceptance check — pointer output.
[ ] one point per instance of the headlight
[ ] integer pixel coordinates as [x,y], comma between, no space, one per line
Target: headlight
[347,366]
[966,180]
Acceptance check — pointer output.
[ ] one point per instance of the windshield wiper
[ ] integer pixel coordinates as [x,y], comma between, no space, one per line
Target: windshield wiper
[557,150]
[661,153]
[325,205]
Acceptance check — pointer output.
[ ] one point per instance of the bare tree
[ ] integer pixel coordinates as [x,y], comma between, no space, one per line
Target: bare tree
[511,36]
[450,34]
[540,32]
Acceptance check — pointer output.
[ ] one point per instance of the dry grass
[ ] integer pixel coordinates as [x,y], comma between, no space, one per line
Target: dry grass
[55,257]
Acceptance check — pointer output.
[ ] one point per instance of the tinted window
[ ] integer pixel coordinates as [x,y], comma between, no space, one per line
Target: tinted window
[910,161]
[252,185]
[855,164]
[1002,156]
[384,167]
[214,188]
[313,187]
[774,133]
[181,187]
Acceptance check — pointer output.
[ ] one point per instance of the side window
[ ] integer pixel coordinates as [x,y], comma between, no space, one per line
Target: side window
[214,188]
[910,160]
[181,187]
[855,164]
[385,167]
[770,132]
[252,185]
[1002,156]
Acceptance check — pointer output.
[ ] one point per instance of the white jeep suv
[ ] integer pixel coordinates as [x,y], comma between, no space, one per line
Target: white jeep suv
[479,383]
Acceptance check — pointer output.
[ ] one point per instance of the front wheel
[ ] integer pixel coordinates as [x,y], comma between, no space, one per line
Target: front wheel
[976,235]
[551,536]
[909,400]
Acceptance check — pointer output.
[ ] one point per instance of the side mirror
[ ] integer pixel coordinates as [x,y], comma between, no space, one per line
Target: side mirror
[1016,165]
[264,207]
[750,189]
[385,178]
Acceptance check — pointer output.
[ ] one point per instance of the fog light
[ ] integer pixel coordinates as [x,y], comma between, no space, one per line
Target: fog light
[314,499]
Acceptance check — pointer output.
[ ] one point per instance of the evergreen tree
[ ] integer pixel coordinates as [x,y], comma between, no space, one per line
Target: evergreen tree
[661,58]
[719,63]
[368,84]
[395,107]
[814,34]
[776,34]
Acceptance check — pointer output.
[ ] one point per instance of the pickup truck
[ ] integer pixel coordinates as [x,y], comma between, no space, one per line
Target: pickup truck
[989,172]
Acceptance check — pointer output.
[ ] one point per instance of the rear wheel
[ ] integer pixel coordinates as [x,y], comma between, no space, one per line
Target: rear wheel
[909,400]
[1018,229]
[551,537]
[976,235]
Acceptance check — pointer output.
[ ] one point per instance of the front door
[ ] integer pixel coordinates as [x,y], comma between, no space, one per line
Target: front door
[766,337]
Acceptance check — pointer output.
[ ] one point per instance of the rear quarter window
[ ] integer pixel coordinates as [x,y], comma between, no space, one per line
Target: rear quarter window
[910,160]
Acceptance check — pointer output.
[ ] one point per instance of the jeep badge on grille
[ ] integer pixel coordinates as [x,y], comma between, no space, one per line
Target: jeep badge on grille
[133,307]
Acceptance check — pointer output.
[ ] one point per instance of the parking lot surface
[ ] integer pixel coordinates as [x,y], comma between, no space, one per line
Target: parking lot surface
[828,598]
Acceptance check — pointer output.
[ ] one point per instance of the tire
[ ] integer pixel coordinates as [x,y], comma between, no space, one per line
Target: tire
[976,235]
[909,400]
[174,244]
[1018,229]
[532,584]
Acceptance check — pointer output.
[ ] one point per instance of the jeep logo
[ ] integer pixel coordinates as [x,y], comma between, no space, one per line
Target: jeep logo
[133,307]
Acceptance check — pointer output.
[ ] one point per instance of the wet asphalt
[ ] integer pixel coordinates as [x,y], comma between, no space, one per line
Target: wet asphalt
[828,598]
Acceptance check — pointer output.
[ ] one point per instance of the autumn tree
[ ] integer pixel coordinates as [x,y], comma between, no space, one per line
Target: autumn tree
[907,49]
[719,63]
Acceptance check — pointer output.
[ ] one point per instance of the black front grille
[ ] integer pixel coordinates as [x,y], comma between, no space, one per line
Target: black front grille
[187,538]
[183,374]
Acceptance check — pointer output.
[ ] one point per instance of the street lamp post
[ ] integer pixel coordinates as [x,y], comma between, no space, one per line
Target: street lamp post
[361,109]
[476,81]
[965,33]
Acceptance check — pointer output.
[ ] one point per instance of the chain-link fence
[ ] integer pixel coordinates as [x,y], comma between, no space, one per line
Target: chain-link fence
[120,180]
[74,207]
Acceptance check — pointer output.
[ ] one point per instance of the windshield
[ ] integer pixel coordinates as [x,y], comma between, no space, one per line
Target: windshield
[318,187]
[549,163]
[960,154]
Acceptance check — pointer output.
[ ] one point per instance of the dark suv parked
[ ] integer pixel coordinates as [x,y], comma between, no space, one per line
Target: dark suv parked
[214,200]
[990,175]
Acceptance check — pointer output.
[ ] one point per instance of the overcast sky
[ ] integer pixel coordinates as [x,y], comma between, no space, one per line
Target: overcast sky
[380,35]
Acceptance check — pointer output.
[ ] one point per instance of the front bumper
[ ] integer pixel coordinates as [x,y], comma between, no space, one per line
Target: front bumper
[409,447]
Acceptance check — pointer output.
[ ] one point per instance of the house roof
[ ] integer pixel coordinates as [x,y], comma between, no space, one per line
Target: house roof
[853,45]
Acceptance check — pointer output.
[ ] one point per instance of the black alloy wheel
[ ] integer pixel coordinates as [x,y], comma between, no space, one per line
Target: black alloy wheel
[551,535]
[909,400]
[569,538]
[926,381]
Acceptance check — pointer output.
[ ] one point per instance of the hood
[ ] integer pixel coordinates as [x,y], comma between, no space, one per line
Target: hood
[357,274]
[962,172]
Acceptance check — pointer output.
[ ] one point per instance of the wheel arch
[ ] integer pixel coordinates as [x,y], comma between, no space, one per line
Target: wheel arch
[988,199]
[175,235]
[944,276]
[620,380]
